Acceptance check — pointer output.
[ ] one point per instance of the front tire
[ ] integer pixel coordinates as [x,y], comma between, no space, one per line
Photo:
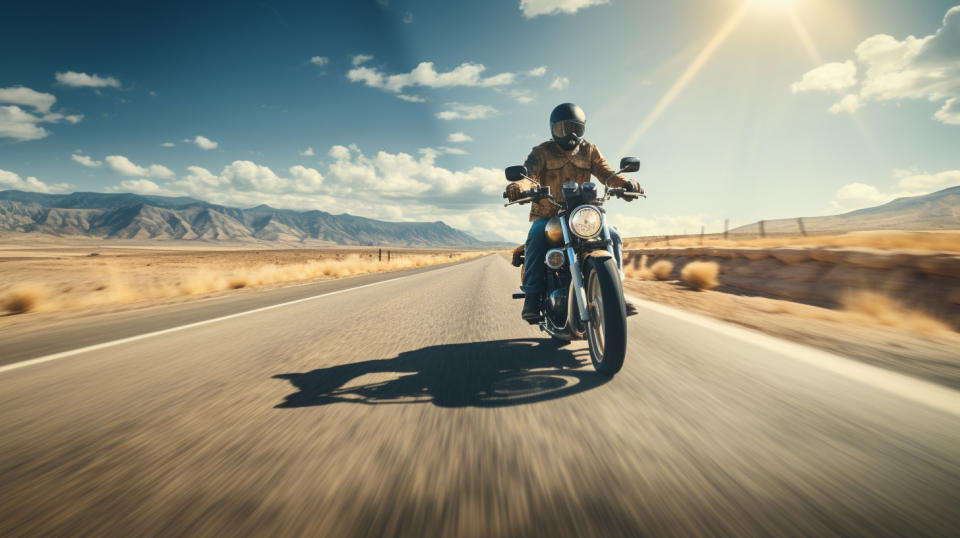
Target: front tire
[607,328]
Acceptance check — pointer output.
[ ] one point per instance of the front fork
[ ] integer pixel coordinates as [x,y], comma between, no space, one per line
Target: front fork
[575,272]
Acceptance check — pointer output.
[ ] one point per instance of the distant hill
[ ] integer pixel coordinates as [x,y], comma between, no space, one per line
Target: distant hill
[135,216]
[935,211]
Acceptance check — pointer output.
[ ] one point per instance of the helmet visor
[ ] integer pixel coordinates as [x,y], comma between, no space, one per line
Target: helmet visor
[567,127]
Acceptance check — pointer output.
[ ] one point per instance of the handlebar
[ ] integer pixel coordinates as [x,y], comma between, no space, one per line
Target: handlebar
[621,192]
[539,193]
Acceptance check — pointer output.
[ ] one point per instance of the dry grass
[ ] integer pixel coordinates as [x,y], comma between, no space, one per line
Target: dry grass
[864,308]
[700,275]
[881,309]
[638,271]
[45,285]
[22,298]
[662,269]
[889,239]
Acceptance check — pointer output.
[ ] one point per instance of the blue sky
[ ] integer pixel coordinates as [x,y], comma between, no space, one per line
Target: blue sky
[409,110]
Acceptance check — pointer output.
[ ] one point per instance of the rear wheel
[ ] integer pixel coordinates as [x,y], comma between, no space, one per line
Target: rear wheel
[607,328]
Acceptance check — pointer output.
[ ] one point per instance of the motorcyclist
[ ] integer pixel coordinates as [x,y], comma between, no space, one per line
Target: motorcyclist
[566,157]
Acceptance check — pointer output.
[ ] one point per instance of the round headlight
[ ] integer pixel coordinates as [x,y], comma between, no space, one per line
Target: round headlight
[586,221]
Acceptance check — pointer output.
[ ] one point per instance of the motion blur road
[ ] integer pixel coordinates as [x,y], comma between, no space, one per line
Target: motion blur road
[422,406]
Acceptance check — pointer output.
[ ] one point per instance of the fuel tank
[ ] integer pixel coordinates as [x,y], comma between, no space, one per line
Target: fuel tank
[554,232]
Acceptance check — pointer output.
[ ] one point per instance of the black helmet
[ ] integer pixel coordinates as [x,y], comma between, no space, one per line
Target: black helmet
[567,125]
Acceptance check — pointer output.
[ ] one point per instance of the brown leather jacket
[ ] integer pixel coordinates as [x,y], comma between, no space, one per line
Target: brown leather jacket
[549,164]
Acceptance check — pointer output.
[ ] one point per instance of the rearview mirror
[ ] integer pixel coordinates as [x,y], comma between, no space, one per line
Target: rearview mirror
[629,164]
[516,173]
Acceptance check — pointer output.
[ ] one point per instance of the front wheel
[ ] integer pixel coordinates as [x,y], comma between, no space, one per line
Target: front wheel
[607,328]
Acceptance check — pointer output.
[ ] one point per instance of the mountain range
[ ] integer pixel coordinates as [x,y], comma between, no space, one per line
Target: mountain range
[935,211]
[144,217]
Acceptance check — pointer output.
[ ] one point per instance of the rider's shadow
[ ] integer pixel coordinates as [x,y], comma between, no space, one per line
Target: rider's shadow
[481,374]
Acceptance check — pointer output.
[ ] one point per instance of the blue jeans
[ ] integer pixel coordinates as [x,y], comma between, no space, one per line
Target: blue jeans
[535,251]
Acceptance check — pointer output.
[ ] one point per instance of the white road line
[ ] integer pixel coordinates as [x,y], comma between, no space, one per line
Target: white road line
[104,345]
[916,390]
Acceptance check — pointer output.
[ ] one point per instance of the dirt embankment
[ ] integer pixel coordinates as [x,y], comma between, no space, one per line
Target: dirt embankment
[898,309]
[826,276]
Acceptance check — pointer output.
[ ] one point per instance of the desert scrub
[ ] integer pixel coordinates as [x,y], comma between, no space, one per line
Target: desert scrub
[23,298]
[700,275]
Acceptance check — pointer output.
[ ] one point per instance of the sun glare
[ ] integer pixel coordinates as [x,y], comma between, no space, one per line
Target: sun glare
[772,4]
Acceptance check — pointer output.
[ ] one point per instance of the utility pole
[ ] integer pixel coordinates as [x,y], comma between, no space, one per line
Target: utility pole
[726,227]
[763,232]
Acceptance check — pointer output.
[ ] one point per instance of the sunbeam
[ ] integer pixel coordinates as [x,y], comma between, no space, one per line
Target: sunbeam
[688,75]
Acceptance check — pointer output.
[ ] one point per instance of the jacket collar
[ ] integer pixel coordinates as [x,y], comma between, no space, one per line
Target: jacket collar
[557,151]
[580,155]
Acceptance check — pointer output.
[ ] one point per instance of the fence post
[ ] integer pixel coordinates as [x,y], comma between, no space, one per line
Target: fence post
[763,232]
[701,234]
[726,227]
[803,229]
[379,254]
[388,256]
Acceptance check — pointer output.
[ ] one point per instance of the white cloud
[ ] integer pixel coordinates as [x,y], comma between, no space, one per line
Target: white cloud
[55,117]
[950,112]
[21,95]
[452,151]
[125,167]
[360,59]
[204,143]
[559,83]
[919,182]
[459,137]
[411,98]
[168,144]
[458,111]
[307,153]
[10,180]
[407,18]
[849,104]
[319,61]
[466,74]
[306,179]
[86,161]
[199,178]
[537,72]
[859,195]
[144,186]
[519,95]
[22,125]
[83,80]
[532,8]
[925,68]
[831,77]
[394,186]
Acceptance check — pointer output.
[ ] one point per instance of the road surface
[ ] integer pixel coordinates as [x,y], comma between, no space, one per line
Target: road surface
[422,406]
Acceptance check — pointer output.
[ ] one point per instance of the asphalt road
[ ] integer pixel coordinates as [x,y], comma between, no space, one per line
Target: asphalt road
[422,406]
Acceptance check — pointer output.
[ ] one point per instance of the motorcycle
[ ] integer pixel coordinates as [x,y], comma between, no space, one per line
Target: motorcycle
[583,297]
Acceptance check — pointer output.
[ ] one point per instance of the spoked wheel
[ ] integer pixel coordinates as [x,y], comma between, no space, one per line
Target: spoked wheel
[607,328]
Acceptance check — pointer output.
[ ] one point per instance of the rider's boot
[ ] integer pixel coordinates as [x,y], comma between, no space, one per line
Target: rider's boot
[531,308]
